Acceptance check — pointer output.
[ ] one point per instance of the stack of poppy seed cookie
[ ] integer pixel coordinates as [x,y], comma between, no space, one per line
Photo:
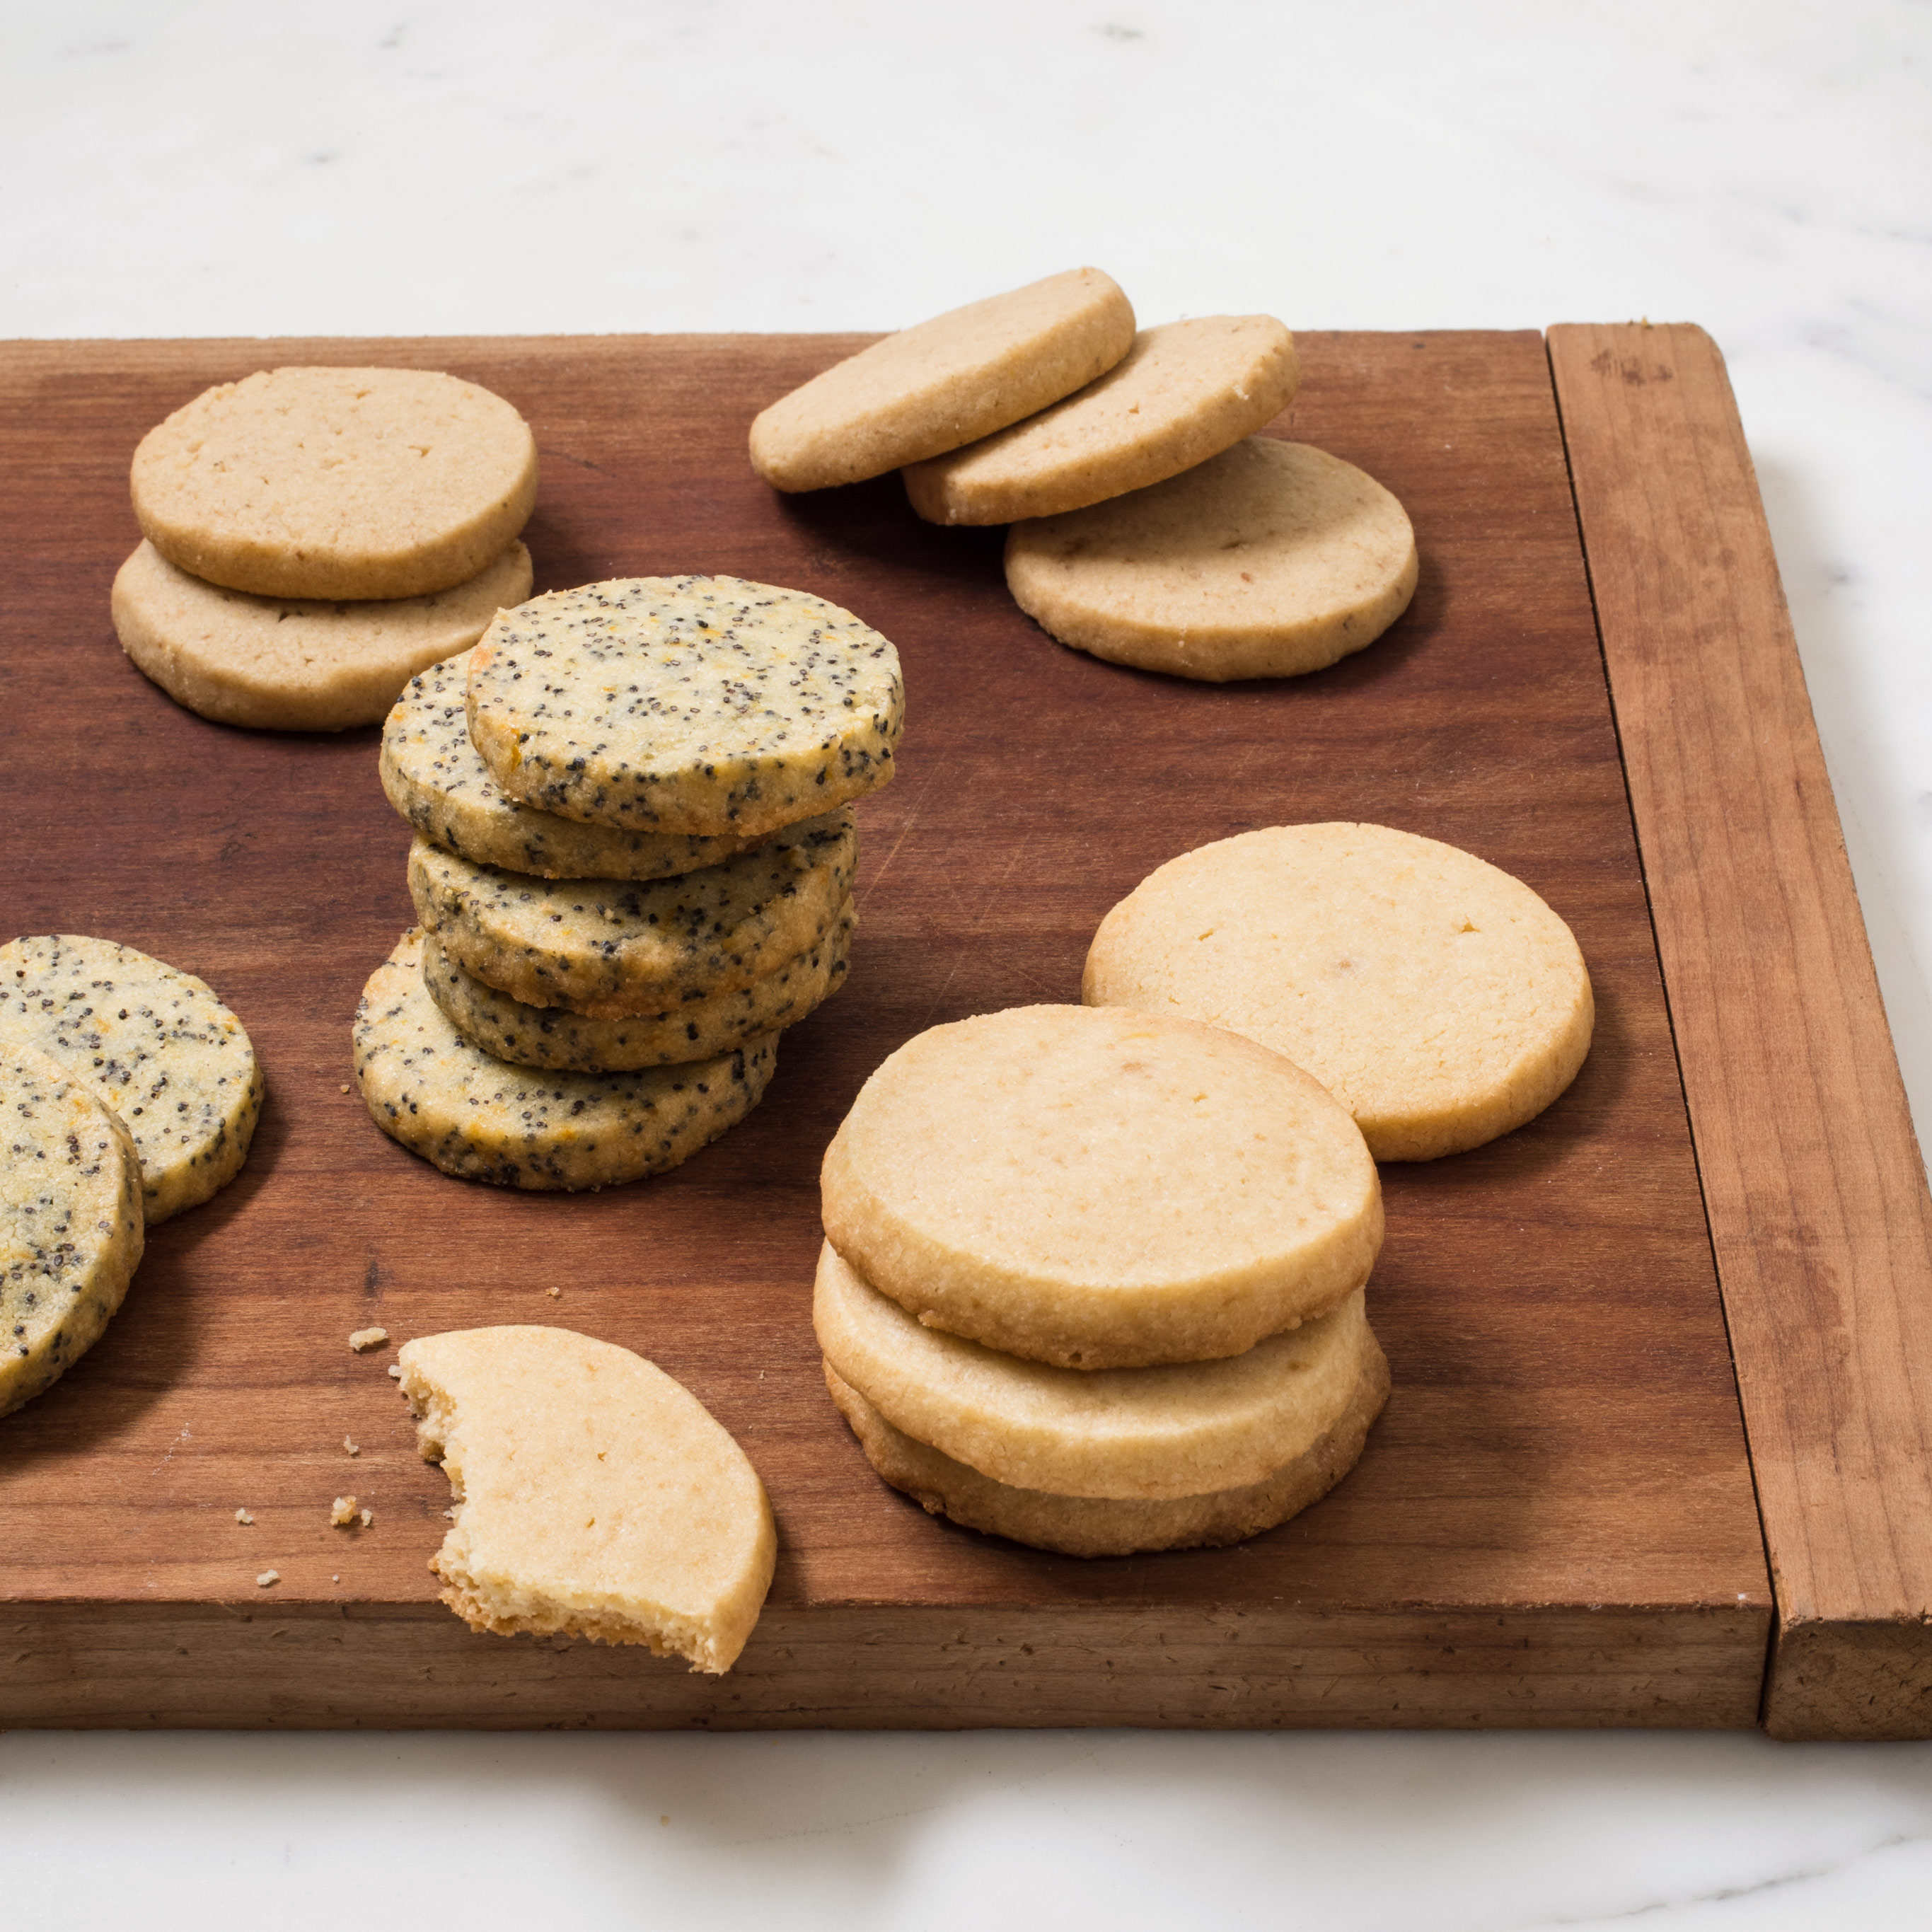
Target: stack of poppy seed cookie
[633,869]
[312,538]
[1150,524]
[1094,1279]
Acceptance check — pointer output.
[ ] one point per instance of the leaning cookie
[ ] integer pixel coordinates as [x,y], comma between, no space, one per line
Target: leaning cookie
[686,704]
[432,774]
[614,948]
[70,1226]
[157,1044]
[287,664]
[1186,391]
[476,1117]
[696,1029]
[1438,999]
[337,483]
[930,387]
[1110,1526]
[1269,560]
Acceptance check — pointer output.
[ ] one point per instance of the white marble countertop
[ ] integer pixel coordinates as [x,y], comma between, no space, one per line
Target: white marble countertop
[1761,166]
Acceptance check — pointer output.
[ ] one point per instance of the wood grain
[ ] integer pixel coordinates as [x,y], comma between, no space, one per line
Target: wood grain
[1816,1193]
[1559,1493]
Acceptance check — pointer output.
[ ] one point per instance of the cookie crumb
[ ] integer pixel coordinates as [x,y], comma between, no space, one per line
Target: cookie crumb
[345,1086]
[344,1513]
[368,1518]
[395,1371]
[335,1578]
[243,1516]
[267,1577]
[555,1294]
[351,1447]
[366,1338]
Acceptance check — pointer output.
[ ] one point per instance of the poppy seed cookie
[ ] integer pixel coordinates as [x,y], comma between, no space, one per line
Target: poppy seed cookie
[155,1044]
[71,1225]
[704,704]
[1185,391]
[290,664]
[337,483]
[433,775]
[1153,1434]
[1438,999]
[614,948]
[481,1119]
[594,1496]
[696,1029]
[1101,1189]
[941,383]
[1092,1526]
[1267,560]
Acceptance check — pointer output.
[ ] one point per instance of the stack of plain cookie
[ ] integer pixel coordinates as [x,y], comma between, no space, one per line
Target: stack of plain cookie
[312,538]
[1094,1280]
[633,869]
[1150,524]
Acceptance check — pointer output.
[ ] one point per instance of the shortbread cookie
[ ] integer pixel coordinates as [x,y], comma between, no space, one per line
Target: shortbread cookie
[1185,391]
[944,383]
[434,777]
[594,1496]
[480,1119]
[337,483]
[1094,1526]
[71,1223]
[1439,999]
[696,1029]
[289,664]
[704,704]
[1269,560]
[1158,1433]
[155,1044]
[612,948]
[1101,1189]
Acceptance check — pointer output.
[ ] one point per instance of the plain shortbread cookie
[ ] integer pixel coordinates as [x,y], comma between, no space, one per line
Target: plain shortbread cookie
[337,483]
[1091,1526]
[1186,391]
[290,664]
[695,1029]
[705,704]
[595,1496]
[942,383]
[1267,560]
[481,1119]
[70,1226]
[157,1044]
[1101,1189]
[1152,1434]
[1437,998]
[432,774]
[614,948]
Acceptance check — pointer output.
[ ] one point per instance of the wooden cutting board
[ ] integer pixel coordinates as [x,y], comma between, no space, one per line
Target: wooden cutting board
[1555,1522]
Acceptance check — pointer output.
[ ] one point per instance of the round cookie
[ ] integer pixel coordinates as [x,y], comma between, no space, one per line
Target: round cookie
[613,949]
[944,383]
[155,1044]
[480,1119]
[1101,1189]
[1438,999]
[337,483]
[434,777]
[1185,391]
[705,704]
[595,1496]
[1267,560]
[696,1029]
[1092,1526]
[286,664]
[71,1225]
[1152,1434]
